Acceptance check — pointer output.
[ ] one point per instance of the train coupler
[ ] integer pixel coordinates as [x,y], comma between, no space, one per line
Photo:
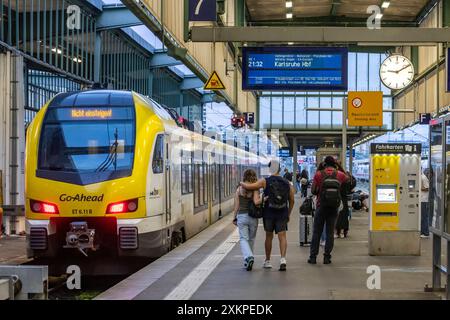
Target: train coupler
[80,237]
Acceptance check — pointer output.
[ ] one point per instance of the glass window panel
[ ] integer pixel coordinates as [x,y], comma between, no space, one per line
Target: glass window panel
[337,115]
[362,72]
[313,116]
[300,113]
[325,116]
[264,112]
[447,181]
[289,112]
[374,71]
[277,112]
[352,71]
[387,116]
[436,183]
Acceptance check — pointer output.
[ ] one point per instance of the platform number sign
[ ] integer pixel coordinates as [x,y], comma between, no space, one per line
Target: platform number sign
[202,10]
[249,117]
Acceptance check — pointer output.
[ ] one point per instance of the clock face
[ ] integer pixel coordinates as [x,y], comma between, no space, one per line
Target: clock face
[396,72]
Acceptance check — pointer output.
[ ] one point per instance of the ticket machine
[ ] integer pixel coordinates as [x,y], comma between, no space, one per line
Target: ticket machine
[395,178]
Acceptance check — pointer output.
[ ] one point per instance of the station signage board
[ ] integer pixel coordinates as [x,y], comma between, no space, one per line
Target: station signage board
[295,68]
[249,117]
[425,118]
[396,148]
[202,10]
[365,109]
[284,153]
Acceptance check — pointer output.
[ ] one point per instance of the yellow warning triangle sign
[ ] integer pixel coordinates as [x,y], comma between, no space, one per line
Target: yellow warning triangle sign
[214,83]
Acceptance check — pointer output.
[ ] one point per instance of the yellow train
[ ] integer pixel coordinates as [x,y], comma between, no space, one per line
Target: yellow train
[113,172]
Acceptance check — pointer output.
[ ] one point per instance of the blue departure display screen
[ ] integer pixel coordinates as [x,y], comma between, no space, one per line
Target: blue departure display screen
[295,68]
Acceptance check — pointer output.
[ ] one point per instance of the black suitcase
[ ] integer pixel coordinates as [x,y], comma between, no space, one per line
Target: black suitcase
[305,229]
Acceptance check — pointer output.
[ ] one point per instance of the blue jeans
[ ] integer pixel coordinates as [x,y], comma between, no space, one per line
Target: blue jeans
[323,237]
[247,233]
[424,219]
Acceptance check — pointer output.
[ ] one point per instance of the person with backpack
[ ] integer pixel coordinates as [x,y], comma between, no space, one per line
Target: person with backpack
[287,175]
[327,184]
[278,205]
[342,223]
[304,180]
[248,225]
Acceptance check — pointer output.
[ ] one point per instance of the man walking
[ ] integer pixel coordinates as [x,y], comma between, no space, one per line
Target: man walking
[278,205]
[326,186]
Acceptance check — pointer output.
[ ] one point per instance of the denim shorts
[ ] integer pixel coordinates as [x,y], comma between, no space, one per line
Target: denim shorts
[277,224]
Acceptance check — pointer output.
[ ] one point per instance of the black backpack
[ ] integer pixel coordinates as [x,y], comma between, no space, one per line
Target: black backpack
[306,209]
[330,196]
[278,192]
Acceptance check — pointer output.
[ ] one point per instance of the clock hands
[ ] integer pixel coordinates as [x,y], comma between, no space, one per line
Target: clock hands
[398,71]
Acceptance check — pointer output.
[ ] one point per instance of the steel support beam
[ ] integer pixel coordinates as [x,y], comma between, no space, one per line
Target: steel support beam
[162,59]
[332,35]
[190,83]
[116,17]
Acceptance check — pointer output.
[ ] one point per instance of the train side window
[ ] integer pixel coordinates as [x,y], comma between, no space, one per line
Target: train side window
[186,172]
[196,186]
[202,185]
[158,155]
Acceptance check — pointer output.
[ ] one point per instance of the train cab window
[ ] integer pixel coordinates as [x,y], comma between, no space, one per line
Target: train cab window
[158,155]
[87,145]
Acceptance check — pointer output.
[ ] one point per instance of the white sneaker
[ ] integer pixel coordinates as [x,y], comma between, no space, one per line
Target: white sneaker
[424,236]
[267,264]
[283,264]
[322,243]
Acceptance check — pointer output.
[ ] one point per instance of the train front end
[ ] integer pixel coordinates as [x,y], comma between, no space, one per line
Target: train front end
[85,191]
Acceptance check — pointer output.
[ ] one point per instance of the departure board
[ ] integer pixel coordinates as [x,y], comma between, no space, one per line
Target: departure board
[295,68]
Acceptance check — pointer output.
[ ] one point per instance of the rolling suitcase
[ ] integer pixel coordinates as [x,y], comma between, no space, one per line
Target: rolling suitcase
[306,227]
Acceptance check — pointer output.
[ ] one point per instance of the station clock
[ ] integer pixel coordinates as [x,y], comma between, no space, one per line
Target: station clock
[396,72]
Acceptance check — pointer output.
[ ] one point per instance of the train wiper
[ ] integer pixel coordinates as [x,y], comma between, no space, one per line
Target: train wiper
[112,156]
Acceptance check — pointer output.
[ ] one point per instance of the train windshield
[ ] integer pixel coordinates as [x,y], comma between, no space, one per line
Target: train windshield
[87,145]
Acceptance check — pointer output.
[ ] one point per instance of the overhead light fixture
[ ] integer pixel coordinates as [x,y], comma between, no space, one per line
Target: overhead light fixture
[78,60]
[386,4]
[58,51]
[288,4]
[289,15]
[379,16]
[290,43]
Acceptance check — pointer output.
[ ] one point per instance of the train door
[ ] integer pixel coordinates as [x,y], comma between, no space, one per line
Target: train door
[209,188]
[167,180]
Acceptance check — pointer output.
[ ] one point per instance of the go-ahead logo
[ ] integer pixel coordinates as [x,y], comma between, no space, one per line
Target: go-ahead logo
[80,198]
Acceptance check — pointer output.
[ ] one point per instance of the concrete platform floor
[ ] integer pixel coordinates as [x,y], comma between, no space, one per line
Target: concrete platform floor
[13,250]
[212,273]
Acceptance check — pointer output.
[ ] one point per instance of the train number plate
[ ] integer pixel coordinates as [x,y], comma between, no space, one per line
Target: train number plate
[81,211]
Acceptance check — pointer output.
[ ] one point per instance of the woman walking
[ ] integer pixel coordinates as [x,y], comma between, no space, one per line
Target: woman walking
[304,180]
[246,224]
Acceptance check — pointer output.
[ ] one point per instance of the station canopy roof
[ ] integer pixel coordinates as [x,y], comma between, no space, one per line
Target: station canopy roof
[322,12]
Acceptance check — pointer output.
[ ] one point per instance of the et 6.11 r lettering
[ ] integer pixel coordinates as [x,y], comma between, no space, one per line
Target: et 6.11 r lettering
[252,309]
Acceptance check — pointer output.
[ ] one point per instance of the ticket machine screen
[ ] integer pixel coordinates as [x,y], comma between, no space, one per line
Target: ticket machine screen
[387,193]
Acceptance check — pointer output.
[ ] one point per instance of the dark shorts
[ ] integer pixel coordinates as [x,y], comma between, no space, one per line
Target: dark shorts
[272,224]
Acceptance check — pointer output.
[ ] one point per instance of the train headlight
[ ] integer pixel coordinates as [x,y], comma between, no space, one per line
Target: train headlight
[122,207]
[43,207]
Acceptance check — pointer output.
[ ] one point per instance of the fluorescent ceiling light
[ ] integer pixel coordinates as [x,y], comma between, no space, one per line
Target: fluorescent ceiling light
[289,15]
[290,43]
[379,16]
[288,4]
[386,4]
[58,51]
